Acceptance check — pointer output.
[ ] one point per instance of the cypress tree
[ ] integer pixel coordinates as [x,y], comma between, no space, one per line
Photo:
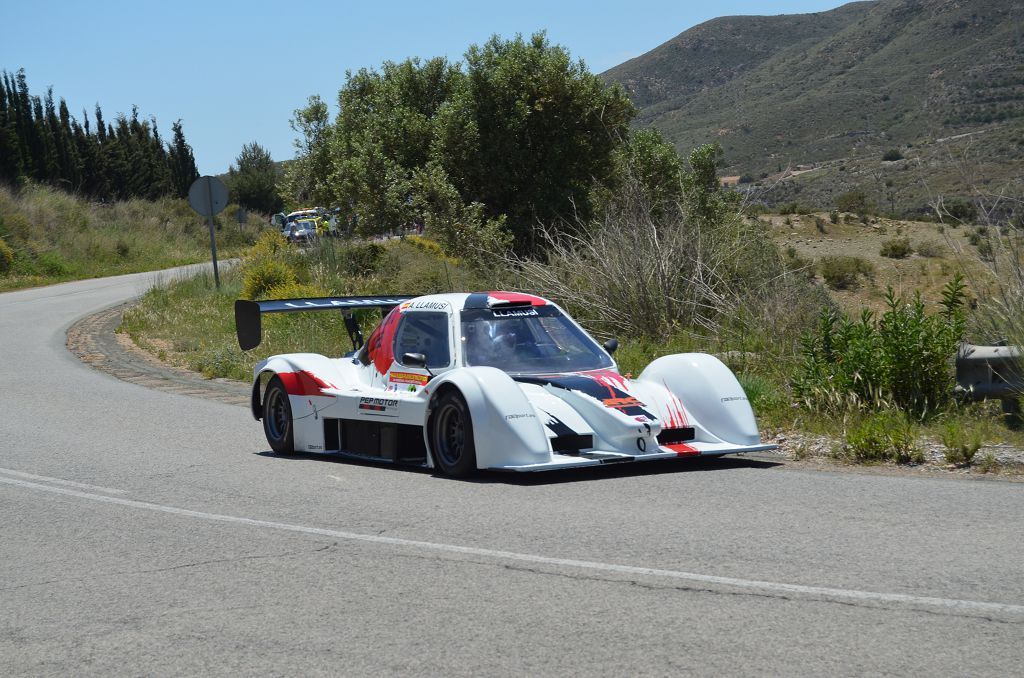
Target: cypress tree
[10,152]
[182,162]
[101,129]
[69,149]
[23,122]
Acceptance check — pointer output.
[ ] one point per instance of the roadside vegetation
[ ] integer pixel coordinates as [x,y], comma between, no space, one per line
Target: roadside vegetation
[636,242]
[48,236]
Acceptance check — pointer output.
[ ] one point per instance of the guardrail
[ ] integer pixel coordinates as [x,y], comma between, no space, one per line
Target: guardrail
[992,372]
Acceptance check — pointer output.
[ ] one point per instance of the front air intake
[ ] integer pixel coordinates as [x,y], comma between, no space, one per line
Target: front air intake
[669,436]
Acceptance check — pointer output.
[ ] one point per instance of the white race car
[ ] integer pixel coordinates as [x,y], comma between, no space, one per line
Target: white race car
[492,380]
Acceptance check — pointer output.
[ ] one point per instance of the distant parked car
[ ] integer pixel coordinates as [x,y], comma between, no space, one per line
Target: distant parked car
[300,230]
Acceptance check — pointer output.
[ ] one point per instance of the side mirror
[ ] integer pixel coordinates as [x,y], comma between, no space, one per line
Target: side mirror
[611,345]
[414,360]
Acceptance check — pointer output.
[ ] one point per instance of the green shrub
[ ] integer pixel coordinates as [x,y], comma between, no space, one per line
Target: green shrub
[263,275]
[52,264]
[6,257]
[797,263]
[960,210]
[985,251]
[960,445]
[268,245]
[988,463]
[360,259]
[841,272]
[833,216]
[765,396]
[793,208]
[931,249]
[903,359]
[892,154]
[853,201]
[883,436]
[896,248]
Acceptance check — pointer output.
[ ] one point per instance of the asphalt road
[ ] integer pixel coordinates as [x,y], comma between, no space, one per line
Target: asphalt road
[150,533]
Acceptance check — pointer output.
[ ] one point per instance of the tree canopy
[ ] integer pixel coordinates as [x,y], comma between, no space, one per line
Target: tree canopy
[516,135]
[252,180]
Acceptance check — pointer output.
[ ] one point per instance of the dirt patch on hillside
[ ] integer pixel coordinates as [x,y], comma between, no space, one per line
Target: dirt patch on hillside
[938,252]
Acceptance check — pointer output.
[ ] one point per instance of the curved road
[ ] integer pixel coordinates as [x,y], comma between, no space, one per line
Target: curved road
[150,533]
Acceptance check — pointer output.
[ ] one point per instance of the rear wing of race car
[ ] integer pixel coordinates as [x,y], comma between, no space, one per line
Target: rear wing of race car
[248,313]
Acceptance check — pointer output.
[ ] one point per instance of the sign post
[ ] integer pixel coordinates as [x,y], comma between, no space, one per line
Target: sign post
[209,196]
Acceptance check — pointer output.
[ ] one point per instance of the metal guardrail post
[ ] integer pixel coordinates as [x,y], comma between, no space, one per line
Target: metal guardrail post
[992,372]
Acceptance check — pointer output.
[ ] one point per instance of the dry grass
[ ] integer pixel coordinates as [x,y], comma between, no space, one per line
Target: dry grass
[55,236]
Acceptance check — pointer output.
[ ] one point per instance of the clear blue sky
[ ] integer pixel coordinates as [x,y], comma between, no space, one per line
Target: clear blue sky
[233,72]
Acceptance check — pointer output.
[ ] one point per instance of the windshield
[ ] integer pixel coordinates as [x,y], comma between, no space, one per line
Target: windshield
[532,340]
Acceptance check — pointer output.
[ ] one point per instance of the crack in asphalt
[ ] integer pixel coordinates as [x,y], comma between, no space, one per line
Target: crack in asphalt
[684,588]
[184,566]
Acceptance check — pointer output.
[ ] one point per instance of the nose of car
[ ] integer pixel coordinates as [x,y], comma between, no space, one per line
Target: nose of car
[618,424]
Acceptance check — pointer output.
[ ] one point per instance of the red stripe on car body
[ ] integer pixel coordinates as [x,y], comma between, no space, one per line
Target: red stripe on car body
[518,298]
[682,449]
[303,383]
[380,345]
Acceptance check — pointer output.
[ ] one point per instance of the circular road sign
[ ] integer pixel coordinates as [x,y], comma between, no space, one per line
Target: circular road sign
[208,196]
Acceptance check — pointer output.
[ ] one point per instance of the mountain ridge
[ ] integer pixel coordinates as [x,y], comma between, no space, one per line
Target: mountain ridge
[846,83]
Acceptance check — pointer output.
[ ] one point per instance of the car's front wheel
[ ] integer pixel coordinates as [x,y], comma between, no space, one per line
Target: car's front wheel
[451,436]
[277,418]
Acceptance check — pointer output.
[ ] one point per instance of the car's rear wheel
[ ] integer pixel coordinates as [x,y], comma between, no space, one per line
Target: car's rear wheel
[451,436]
[277,418]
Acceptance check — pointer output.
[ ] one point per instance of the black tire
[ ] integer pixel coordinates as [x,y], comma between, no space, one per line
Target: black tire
[451,436]
[277,418]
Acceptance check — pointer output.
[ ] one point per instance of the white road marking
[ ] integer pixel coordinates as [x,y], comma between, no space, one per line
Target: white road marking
[972,608]
[59,481]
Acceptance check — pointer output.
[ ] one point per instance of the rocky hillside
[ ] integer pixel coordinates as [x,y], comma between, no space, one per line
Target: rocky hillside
[843,87]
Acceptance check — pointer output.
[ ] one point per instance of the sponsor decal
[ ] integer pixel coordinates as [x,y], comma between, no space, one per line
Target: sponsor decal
[609,388]
[514,312]
[409,378]
[432,305]
[510,417]
[378,406]
[341,303]
[622,403]
[732,398]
